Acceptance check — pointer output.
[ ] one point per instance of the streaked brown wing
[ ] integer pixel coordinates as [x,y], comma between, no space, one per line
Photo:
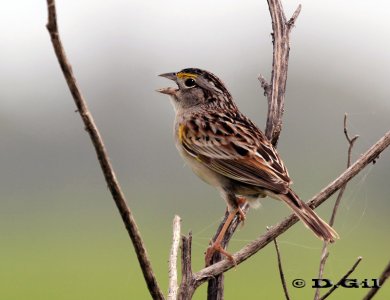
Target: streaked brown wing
[236,149]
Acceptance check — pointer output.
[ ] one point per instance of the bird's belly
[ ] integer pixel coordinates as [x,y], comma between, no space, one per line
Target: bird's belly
[202,171]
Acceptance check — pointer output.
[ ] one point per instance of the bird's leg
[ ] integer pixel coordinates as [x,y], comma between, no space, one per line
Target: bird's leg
[216,246]
[233,202]
[240,202]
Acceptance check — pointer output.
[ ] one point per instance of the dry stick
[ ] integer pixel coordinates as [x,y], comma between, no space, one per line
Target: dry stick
[334,287]
[102,155]
[351,142]
[283,280]
[259,243]
[275,95]
[324,257]
[275,91]
[325,252]
[385,275]
[280,267]
[187,286]
[172,262]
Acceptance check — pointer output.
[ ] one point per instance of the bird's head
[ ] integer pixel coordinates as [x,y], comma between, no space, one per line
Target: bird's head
[196,87]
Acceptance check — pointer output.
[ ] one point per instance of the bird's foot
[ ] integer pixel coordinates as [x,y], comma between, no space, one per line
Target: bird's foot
[217,248]
[216,245]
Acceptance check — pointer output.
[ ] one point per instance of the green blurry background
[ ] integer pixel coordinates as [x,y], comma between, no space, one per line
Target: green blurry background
[60,234]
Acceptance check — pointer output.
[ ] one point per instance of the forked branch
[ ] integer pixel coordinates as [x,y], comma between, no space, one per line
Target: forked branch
[188,284]
[276,89]
[101,152]
[325,253]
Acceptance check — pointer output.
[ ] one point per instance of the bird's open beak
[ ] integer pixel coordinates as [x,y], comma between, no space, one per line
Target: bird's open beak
[171,76]
[168,90]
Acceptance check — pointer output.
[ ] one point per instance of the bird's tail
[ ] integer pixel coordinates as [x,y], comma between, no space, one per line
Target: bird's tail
[309,217]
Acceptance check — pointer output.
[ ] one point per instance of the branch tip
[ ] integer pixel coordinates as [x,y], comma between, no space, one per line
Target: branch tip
[281,273]
[276,89]
[294,17]
[350,271]
[172,262]
[265,85]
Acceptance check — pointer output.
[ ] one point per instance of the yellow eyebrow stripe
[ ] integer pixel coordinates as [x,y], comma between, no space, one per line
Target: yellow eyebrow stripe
[186,75]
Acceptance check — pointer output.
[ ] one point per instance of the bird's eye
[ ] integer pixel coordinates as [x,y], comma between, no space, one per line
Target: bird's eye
[189,82]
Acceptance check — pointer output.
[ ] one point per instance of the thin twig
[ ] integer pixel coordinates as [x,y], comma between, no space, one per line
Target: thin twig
[324,258]
[325,253]
[102,155]
[334,287]
[384,276]
[263,240]
[283,280]
[172,262]
[294,17]
[351,142]
[276,89]
[265,85]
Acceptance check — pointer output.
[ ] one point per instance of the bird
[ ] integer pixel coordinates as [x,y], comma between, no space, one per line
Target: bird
[228,151]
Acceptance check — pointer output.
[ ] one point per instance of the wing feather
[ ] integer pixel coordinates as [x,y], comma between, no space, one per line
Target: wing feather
[234,147]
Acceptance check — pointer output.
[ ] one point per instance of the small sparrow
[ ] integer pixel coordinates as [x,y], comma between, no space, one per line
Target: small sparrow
[227,150]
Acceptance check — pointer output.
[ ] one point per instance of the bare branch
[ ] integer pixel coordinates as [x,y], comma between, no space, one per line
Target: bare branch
[324,257]
[188,284]
[281,271]
[334,287]
[384,276]
[294,17]
[256,245]
[172,269]
[265,85]
[325,253]
[102,155]
[351,142]
[276,89]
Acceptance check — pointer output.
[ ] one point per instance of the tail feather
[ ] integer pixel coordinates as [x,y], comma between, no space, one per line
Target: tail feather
[309,217]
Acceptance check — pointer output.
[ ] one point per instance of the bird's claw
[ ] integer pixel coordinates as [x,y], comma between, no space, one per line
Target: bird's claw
[217,248]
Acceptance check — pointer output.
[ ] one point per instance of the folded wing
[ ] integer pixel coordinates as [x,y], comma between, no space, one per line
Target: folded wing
[235,148]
